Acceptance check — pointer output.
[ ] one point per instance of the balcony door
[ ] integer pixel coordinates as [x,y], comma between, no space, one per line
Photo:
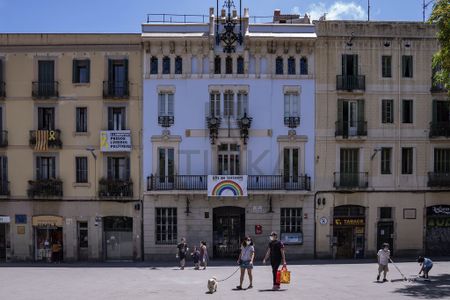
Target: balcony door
[118,168]
[291,165]
[228,159]
[349,167]
[46,77]
[116,118]
[118,76]
[350,64]
[351,117]
[166,166]
[45,167]
[46,118]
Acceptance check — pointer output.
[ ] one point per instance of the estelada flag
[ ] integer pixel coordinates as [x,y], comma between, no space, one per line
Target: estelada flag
[41,140]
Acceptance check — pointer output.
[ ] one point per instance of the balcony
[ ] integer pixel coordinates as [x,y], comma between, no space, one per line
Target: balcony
[350,82]
[437,88]
[166,121]
[351,180]
[110,188]
[254,182]
[347,129]
[45,188]
[116,89]
[45,90]
[3,138]
[438,129]
[292,122]
[41,140]
[4,188]
[438,179]
[2,90]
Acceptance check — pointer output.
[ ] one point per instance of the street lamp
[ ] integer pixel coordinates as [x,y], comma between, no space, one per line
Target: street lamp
[92,150]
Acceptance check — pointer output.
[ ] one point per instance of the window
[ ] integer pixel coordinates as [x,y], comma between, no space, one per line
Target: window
[83,235]
[166,226]
[118,77]
[242,104]
[407,111]
[349,163]
[4,175]
[351,118]
[45,167]
[386,66]
[441,161]
[291,66]
[154,65]
[441,112]
[165,104]
[291,220]
[118,168]
[291,105]
[217,65]
[385,212]
[407,66]
[166,164]
[81,70]
[81,119]
[116,118]
[214,104]
[303,66]
[279,66]
[81,167]
[229,65]
[386,160]
[240,65]
[350,64]
[46,118]
[228,159]
[407,160]
[291,164]
[228,104]
[387,111]
[166,65]
[178,65]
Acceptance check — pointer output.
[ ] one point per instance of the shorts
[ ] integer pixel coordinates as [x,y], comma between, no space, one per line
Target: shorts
[427,269]
[383,268]
[246,265]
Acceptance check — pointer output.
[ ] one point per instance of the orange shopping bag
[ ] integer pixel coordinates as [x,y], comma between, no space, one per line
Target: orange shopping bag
[285,275]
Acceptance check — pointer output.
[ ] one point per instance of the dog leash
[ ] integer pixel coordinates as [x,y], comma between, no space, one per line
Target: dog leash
[229,276]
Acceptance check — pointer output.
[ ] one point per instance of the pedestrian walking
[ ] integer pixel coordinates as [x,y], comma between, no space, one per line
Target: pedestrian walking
[276,254]
[182,249]
[203,255]
[426,265]
[196,258]
[245,261]
[383,256]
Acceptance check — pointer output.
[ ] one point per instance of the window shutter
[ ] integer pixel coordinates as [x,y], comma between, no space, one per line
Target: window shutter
[125,65]
[170,105]
[344,64]
[110,70]
[38,167]
[52,167]
[88,70]
[4,170]
[109,170]
[127,168]
[1,70]
[123,112]
[75,76]
[110,119]
[40,118]
[355,65]
[404,66]
[435,112]
[361,117]
[340,116]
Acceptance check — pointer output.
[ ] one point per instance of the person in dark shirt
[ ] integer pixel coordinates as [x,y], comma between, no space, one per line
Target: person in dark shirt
[276,253]
[182,250]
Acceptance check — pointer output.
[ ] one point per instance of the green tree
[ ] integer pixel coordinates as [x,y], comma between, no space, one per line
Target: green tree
[441,60]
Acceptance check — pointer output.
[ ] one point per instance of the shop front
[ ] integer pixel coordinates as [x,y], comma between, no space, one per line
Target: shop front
[5,243]
[118,238]
[48,238]
[437,240]
[348,231]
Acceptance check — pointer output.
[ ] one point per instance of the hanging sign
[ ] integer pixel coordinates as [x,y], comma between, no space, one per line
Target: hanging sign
[227,185]
[115,141]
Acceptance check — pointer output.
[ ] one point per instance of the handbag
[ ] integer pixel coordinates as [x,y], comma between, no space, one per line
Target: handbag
[285,275]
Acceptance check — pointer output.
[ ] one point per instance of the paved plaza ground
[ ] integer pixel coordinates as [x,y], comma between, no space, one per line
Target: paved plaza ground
[315,280]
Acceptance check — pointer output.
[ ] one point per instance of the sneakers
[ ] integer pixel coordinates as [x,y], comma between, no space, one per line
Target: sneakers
[385,280]
[378,277]
[275,287]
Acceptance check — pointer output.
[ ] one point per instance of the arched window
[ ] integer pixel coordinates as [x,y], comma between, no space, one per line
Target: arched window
[291,66]
[178,65]
[240,65]
[229,65]
[217,65]
[154,65]
[166,65]
[279,66]
[304,66]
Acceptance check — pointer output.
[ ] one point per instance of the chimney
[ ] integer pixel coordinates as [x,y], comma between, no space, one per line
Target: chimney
[276,15]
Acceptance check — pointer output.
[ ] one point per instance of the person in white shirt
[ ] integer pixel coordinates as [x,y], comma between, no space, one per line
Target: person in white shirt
[384,255]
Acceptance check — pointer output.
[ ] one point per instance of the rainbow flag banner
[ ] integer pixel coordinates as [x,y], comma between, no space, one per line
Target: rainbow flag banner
[227,185]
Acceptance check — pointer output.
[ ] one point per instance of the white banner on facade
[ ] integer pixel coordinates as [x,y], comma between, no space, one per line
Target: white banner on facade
[5,219]
[115,141]
[227,185]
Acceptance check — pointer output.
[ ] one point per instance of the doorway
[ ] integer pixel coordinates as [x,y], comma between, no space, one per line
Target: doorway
[385,234]
[118,234]
[3,241]
[49,243]
[83,241]
[228,231]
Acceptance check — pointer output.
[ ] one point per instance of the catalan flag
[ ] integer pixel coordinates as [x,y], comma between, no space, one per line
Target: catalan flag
[41,140]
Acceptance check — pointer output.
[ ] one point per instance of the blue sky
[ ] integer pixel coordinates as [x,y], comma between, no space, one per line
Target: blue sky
[127,15]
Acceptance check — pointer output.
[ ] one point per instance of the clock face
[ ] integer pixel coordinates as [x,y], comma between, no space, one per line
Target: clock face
[213,121]
[323,221]
[245,121]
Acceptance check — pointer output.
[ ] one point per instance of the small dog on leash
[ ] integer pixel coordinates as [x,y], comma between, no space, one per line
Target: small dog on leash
[212,285]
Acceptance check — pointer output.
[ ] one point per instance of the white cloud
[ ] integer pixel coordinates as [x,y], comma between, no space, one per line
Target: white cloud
[295,10]
[337,11]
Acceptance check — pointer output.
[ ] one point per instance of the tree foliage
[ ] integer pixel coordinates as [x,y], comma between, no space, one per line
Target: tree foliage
[441,60]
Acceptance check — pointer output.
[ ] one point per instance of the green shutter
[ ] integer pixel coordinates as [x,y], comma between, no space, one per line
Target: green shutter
[344,64]
[361,118]
[355,65]
[340,117]
[88,66]
[110,119]
[38,167]
[110,70]
[127,170]
[434,116]
[125,65]
[75,77]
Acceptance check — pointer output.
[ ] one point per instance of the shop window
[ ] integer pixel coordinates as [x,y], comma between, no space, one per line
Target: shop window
[385,212]
[83,241]
[291,220]
[166,226]
[349,211]
[154,65]
[81,70]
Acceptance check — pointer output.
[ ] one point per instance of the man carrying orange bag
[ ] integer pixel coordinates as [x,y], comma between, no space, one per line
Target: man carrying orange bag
[276,254]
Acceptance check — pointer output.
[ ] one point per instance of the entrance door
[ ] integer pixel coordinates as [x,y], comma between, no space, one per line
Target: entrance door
[118,238]
[83,241]
[385,235]
[49,244]
[228,231]
[2,242]
[344,242]
[438,230]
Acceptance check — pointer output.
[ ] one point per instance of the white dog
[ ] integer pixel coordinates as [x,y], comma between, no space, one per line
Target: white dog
[212,285]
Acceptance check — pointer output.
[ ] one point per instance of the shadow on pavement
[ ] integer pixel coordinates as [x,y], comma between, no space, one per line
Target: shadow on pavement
[275,291]
[437,288]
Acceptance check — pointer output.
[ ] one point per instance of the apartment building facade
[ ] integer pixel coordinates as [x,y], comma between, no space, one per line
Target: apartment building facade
[70,141]
[382,167]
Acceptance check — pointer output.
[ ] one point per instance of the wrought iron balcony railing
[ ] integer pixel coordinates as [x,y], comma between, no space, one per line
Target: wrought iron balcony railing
[350,82]
[3,138]
[116,89]
[279,182]
[45,90]
[45,188]
[110,188]
[437,88]
[351,180]
[166,121]
[43,139]
[347,129]
[440,129]
[2,90]
[4,188]
[292,122]
[438,179]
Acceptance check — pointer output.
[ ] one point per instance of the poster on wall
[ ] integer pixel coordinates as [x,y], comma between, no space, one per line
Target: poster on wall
[227,185]
[115,141]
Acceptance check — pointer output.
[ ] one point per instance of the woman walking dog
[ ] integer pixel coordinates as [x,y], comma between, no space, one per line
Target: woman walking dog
[245,261]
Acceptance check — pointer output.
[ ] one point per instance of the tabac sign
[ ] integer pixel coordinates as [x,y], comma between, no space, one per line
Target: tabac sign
[349,221]
[227,185]
[115,141]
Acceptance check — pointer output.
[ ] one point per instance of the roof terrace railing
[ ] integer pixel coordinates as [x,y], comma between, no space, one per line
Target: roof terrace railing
[174,18]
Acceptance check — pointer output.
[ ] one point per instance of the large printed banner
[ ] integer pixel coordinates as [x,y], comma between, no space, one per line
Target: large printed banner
[227,185]
[115,141]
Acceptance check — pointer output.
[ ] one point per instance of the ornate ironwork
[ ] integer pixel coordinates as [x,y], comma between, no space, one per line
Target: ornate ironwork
[166,121]
[213,124]
[292,122]
[229,37]
[244,124]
